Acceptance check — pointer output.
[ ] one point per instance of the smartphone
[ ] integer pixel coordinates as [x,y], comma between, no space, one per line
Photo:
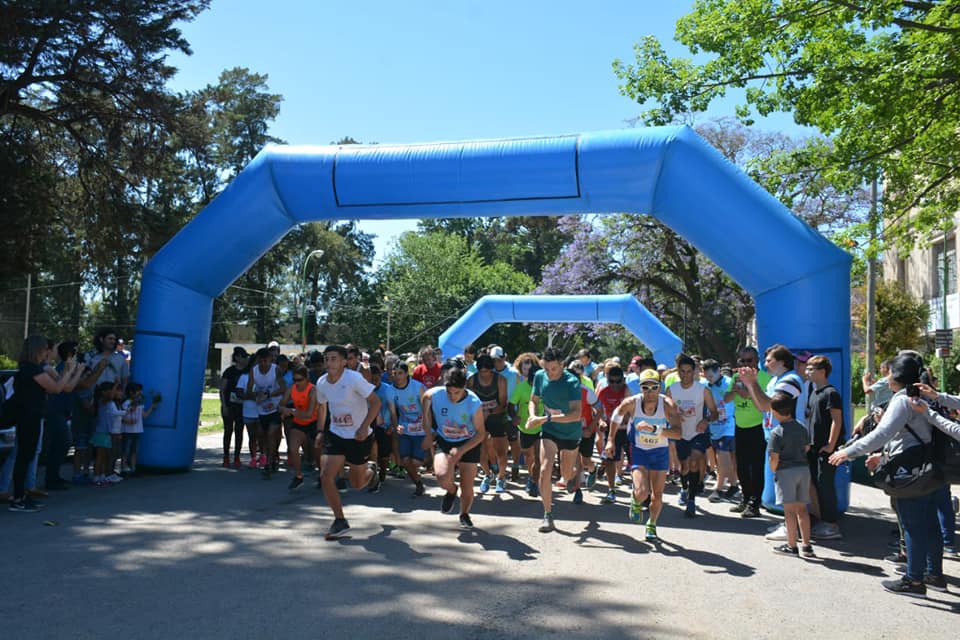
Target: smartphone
[913,391]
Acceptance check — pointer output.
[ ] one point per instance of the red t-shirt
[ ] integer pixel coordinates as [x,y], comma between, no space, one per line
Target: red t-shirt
[427,377]
[611,398]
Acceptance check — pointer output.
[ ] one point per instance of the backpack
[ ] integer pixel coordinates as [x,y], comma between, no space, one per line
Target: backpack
[8,405]
[946,450]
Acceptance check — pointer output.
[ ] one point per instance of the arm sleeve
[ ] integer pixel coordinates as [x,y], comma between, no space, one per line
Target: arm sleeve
[893,419]
[950,402]
[945,425]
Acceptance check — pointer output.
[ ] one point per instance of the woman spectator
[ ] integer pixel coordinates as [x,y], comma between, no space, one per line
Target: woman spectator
[31,385]
[231,406]
[918,515]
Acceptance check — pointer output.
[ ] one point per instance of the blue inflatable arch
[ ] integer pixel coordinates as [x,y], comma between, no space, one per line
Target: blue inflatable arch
[620,309]
[799,280]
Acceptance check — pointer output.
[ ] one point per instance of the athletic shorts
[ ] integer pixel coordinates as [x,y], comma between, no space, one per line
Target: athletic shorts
[586,446]
[685,448]
[562,444]
[497,426]
[621,444]
[793,484]
[513,431]
[268,419]
[354,451]
[309,430]
[528,440]
[101,440]
[411,447]
[724,443]
[652,459]
[472,456]
[384,442]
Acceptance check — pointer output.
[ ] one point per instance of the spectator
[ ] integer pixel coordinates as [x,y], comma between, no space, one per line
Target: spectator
[105,347]
[878,391]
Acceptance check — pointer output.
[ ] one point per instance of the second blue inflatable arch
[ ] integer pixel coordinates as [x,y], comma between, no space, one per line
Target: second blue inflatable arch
[624,310]
[799,280]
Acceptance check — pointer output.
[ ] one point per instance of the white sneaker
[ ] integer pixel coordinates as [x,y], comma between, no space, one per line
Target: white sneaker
[824,531]
[780,533]
[114,478]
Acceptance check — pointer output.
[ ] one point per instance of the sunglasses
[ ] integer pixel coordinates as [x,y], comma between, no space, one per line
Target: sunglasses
[650,387]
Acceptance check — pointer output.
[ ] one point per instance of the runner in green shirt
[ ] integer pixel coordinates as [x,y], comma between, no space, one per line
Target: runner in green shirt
[519,408]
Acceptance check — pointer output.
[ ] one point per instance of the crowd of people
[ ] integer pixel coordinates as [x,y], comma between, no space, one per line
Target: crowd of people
[546,424]
[61,397]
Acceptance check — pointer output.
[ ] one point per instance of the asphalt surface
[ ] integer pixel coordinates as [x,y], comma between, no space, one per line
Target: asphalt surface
[218,553]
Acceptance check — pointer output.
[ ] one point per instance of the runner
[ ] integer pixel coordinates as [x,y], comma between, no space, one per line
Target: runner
[353,406]
[408,400]
[590,412]
[427,372]
[722,432]
[512,376]
[266,387]
[560,392]
[653,418]
[453,418]
[690,395]
[611,396]
[385,426]
[302,430]
[491,388]
[519,408]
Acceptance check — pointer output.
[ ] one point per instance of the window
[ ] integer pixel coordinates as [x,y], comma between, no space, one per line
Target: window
[951,266]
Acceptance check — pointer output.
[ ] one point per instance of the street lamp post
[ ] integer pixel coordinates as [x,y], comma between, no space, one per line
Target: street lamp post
[386,300]
[303,297]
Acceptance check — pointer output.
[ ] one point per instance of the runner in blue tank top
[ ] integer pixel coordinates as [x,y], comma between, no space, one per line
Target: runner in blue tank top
[453,418]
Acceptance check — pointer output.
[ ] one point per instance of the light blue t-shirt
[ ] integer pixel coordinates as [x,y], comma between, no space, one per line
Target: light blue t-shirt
[726,425]
[386,393]
[407,403]
[511,376]
[454,421]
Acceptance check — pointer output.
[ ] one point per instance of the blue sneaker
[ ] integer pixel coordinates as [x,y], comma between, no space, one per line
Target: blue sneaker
[610,498]
[485,484]
[501,485]
[578,497]
[683,497]
[535,493]
[691,509]
[591,479]
[636,511]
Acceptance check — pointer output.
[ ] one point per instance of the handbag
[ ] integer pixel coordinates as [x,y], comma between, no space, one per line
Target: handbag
[911,473]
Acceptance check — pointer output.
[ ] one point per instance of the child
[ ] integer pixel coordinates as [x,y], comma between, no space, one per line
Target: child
[109,417]
[133,415]
[788,446]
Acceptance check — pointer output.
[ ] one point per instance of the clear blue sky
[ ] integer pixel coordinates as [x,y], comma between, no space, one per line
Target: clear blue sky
[418,71]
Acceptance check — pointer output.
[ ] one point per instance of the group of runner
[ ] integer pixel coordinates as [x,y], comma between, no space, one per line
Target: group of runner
[476,419]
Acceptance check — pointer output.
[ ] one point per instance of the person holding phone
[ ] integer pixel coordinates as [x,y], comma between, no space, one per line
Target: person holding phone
[825,424]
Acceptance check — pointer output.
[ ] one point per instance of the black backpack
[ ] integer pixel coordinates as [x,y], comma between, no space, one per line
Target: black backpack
[946,450]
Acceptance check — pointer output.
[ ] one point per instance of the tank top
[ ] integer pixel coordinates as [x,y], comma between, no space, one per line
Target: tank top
[489,397]
[690,405]
[301,402]
[453,421]
[642,439]
[265,383]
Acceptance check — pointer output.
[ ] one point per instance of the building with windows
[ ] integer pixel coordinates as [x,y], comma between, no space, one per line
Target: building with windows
[925,273]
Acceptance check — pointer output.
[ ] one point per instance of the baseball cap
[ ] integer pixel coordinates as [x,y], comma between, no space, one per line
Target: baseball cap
[635,360]
[273,343]
[240,352]
[802,356]
[649,374]
[497,353]
[662,367]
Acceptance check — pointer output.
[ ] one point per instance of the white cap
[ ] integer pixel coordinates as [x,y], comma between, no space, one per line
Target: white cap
[273,343]
[497,353]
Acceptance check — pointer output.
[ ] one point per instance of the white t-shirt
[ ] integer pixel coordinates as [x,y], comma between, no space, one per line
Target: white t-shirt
[134,413]
[265,385]
[346,401]
[690,405]
[249,406]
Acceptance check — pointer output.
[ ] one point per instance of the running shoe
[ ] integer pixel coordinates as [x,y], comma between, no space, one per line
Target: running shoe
[337,529]
[501,485]
[447,505]
[752,511]
[114,478]
[547,525]
[825,531]
[226,462]
[295,483]
[786,550]
[530,487]
[375,482]
[636,511]
[715,496]
[253,462]
[590,480]
[691,509]
[896,558]
[561,483]
[418,491]
[535,493]
[807,551]
[485,484]
[515,473]
[23,506]
[904,587]
[465,521]
[262,462]
[731,492]
[682,500]
[651,534]
[779,533]
[937,583]
[578,497]
[236,463]
[610,498]
[739,508]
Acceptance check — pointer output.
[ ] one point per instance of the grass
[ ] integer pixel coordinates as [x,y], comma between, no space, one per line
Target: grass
[210,420]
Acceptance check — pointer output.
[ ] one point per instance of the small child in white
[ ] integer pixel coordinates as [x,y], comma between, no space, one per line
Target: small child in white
[133,416]
[789,442]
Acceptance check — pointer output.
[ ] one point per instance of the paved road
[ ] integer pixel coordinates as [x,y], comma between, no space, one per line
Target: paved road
[221,553]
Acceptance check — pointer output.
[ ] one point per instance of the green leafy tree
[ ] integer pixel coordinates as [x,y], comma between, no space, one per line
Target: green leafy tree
[881,78]
[901,319]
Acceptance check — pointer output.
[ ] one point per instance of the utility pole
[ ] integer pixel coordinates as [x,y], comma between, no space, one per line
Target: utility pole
[26,314]
[872,284]
[386,301]
[943,315]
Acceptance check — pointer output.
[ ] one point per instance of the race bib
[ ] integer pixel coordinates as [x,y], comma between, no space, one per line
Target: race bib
[414,428]
[344,420]
[722,410]
[648,440]
[489,405]
[688,409]
[454,432]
